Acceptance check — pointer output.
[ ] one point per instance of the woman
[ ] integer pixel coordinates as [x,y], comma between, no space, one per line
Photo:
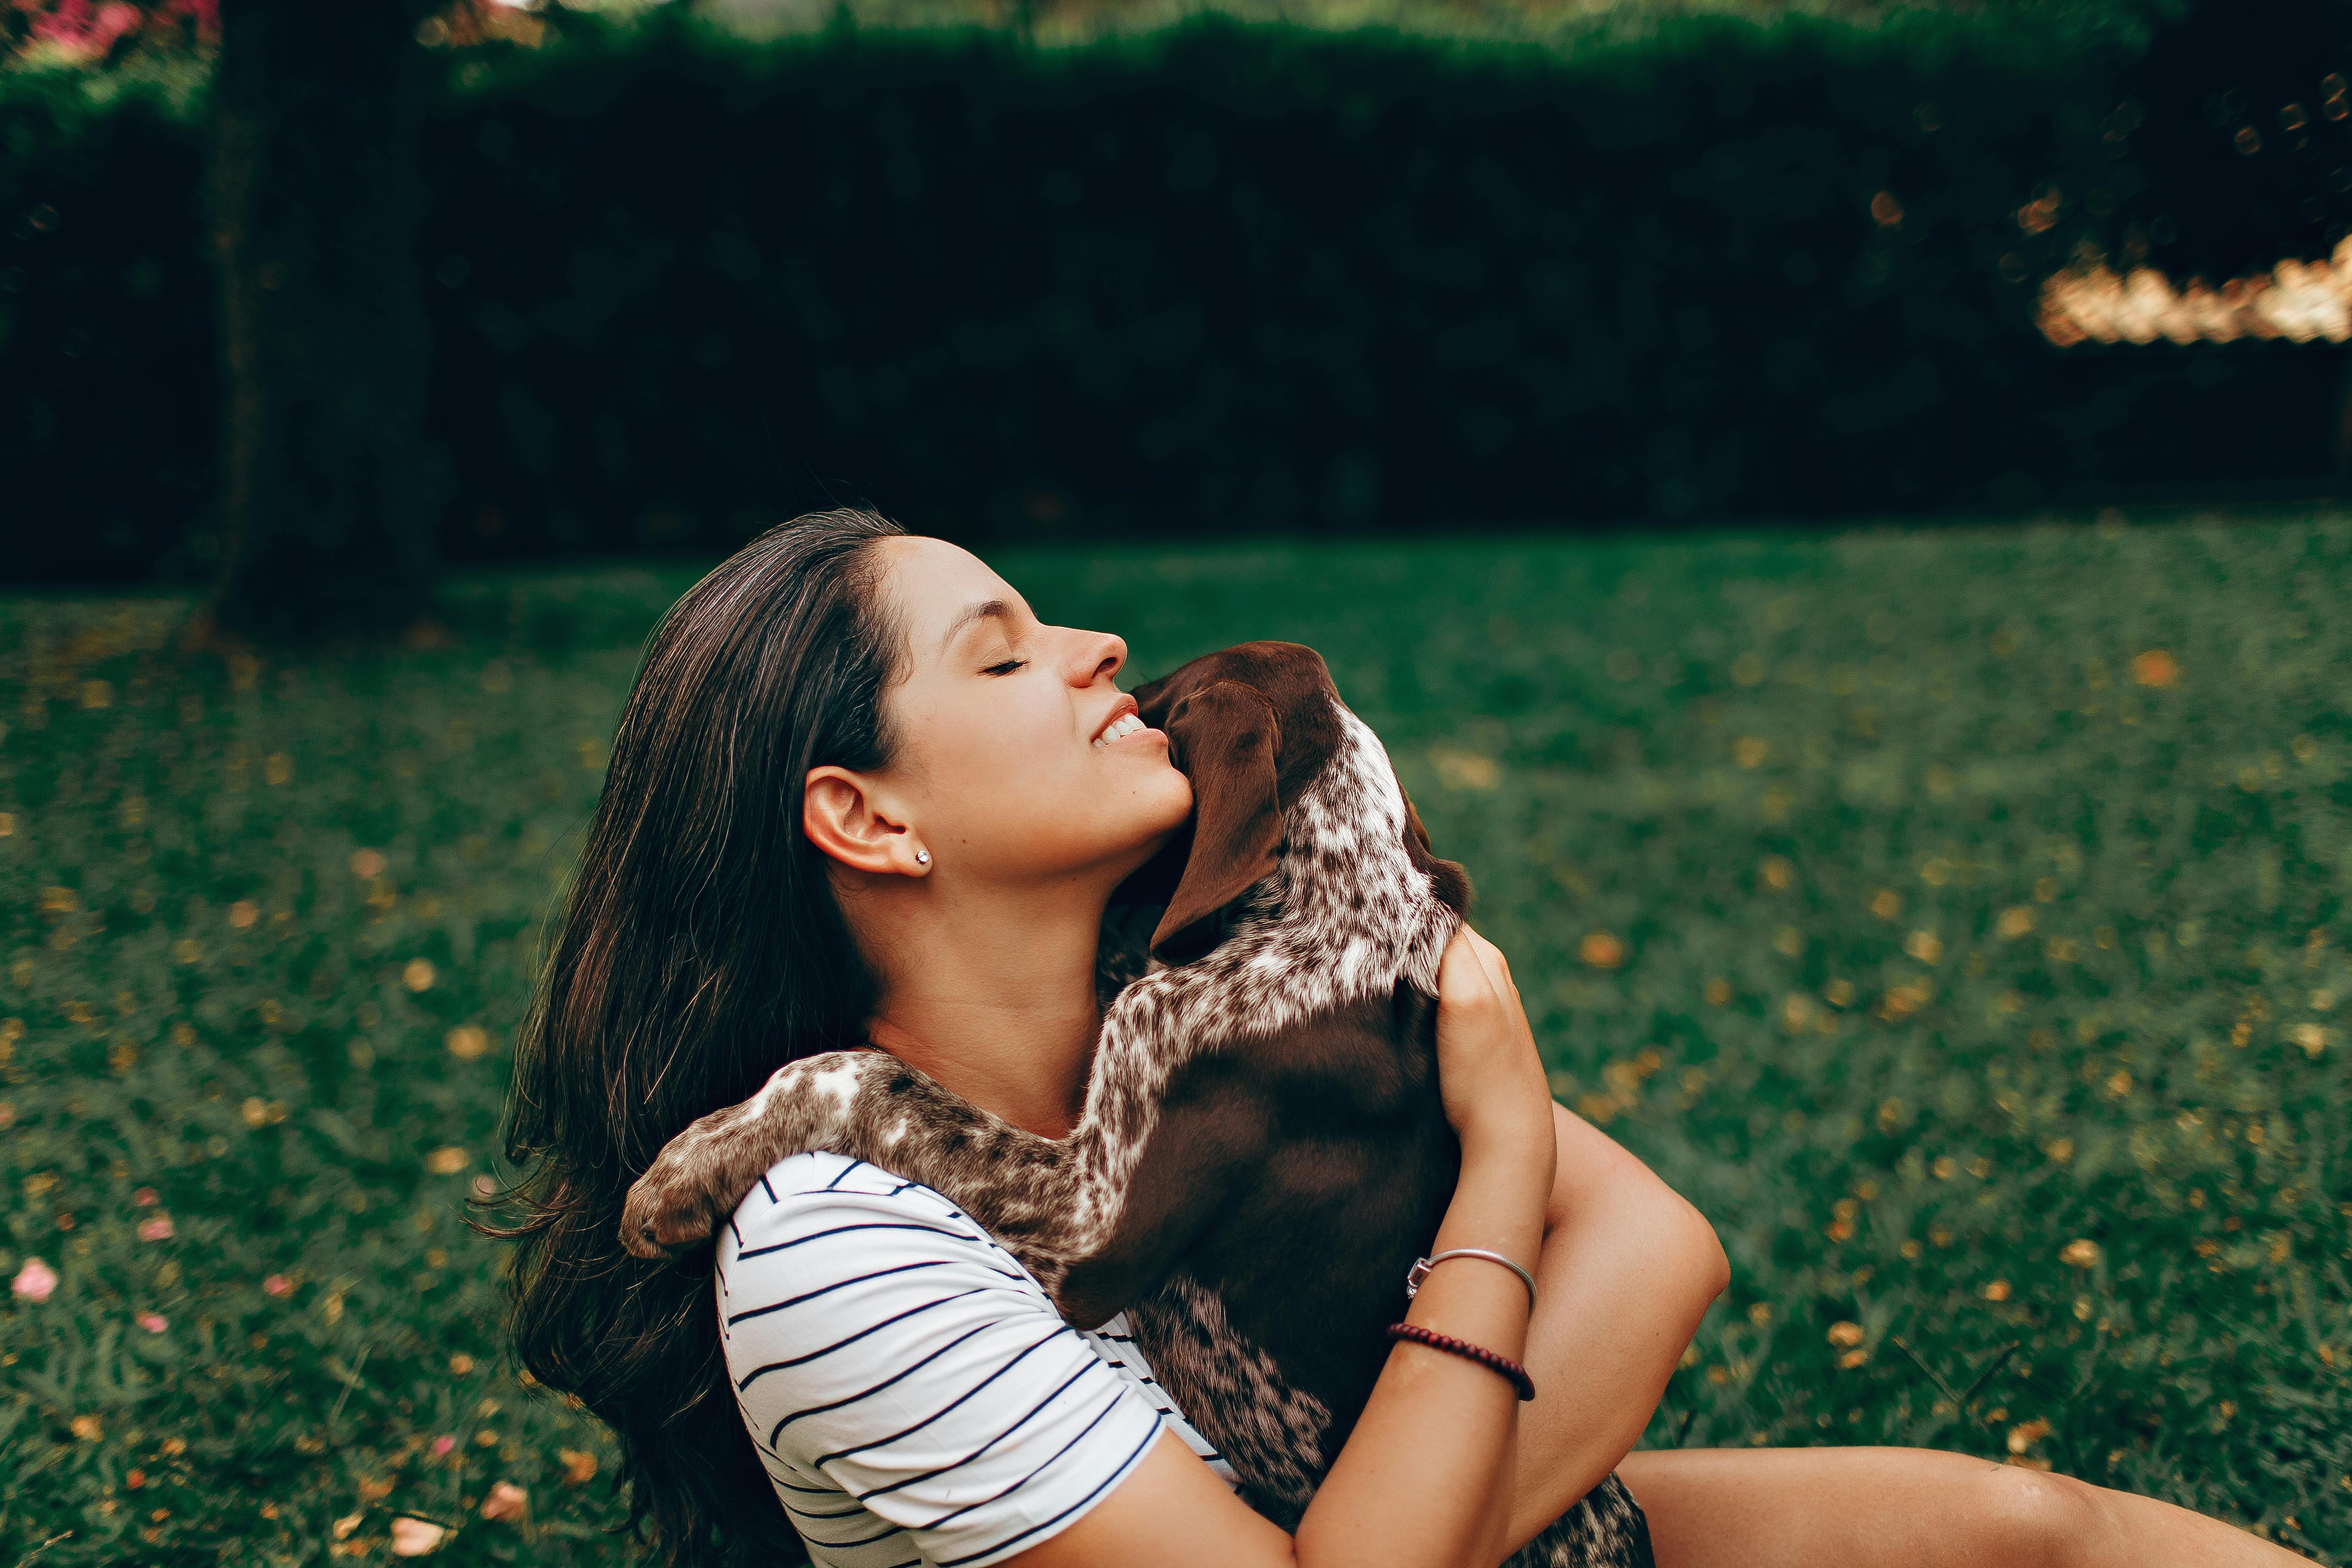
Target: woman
[860,794]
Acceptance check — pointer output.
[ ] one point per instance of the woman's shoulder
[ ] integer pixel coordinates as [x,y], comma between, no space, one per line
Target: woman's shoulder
[821,1238]
[894,1366]
[805,1200]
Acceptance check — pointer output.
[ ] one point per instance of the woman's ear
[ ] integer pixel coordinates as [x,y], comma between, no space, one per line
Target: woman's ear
[843,819]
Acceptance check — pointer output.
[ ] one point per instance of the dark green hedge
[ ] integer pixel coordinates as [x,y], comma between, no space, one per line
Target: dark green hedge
[108,406]
[1241,279]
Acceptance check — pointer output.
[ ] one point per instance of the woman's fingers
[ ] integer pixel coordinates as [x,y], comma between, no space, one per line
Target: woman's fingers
[1496,969]
[1471,953]
[1491,961]
[1489,1072]
[1465,983]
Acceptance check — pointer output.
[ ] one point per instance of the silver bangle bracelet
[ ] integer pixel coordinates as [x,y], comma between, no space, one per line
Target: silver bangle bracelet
[1420,1268]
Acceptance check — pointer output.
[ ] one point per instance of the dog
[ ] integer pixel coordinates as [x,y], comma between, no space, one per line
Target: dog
[1263,1150]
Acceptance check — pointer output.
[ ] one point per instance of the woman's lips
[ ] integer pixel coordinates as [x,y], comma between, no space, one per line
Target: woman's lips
[1120,729]
[1124,708]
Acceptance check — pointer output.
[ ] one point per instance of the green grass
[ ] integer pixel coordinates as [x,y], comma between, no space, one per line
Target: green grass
[1855,882]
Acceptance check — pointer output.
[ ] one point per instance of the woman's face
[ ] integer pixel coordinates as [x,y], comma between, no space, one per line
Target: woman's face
[1019,761]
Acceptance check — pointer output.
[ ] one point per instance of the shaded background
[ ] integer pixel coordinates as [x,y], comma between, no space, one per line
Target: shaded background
[1218,277]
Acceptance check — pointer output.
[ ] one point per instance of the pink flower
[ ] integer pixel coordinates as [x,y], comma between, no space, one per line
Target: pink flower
[156,1229]
[279,1285]
[66,24]
[442,1447]
[145,1198]
[205,12]
[415,1537]
[85,29]
[152,1322]
[34,1281]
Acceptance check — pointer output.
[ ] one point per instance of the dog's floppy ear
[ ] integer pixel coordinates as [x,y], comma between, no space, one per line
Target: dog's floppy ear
[1223,737]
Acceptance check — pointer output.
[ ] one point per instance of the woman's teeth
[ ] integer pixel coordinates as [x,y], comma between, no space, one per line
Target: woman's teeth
[1119,729]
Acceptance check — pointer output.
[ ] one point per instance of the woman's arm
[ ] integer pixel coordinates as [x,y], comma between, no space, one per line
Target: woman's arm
[1425,1480]
[1628,1270]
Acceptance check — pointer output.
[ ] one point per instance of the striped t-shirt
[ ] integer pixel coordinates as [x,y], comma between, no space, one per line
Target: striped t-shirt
[910,1387]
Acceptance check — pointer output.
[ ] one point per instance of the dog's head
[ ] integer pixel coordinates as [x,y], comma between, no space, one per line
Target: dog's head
[1250,726]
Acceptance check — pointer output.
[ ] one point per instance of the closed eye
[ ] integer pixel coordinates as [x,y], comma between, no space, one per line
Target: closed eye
[1007,667]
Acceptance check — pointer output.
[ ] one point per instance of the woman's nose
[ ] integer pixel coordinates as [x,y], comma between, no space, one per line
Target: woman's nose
[1098,657]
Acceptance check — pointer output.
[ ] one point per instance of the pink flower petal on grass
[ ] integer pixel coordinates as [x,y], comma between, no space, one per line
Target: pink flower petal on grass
[153,1322]
[442,1447]
[415,1537]
[156,1229]
[34,1281]
[507,1500]
[279,1285]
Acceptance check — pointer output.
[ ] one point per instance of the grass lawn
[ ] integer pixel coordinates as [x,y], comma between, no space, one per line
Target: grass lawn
[1960,918]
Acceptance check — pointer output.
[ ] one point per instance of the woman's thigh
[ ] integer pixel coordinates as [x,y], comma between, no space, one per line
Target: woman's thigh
[1820,1508]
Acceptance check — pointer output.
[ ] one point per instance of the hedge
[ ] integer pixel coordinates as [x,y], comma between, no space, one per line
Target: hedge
[1232,278]
[109,407]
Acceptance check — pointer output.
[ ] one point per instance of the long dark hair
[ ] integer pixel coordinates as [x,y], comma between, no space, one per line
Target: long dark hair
[700,949]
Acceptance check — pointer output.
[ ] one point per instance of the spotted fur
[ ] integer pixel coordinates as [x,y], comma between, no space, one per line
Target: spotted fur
[1605,1526]
[1270,1431]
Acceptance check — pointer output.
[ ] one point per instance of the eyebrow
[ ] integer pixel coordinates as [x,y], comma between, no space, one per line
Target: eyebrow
[987,609]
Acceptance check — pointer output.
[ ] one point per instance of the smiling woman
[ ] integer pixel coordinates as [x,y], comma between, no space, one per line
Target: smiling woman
[963,787]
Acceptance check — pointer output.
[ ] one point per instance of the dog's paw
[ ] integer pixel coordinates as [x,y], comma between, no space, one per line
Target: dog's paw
[700,1176]
[674,1206]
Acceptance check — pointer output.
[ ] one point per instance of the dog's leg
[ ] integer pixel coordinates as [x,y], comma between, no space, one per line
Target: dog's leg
[1049,1202]
[869,1106]
[1606,1529]
[700,1176]
[1046,1201]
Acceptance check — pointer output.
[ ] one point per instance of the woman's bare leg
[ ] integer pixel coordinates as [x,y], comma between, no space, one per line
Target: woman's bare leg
[1918,1508]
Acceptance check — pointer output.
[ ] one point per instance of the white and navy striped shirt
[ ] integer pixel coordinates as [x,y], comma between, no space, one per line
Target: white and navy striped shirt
[910,1389]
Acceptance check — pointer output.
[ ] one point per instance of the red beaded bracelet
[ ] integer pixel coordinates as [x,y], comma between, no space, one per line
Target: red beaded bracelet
[1504,1365]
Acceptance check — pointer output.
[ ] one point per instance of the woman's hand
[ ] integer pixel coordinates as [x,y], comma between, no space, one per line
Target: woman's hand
[1488,1072]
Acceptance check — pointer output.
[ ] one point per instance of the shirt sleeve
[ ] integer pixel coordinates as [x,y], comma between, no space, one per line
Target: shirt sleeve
[887,1351]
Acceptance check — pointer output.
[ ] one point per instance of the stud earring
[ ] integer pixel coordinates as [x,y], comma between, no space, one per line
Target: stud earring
[922,857]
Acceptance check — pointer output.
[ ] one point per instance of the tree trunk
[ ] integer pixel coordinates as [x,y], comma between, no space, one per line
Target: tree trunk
[328,492]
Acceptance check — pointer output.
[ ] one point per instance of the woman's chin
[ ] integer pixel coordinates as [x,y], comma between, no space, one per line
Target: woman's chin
[1158,814]
[1170,799]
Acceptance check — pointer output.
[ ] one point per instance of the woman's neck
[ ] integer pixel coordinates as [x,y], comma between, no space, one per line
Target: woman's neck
[998,1005]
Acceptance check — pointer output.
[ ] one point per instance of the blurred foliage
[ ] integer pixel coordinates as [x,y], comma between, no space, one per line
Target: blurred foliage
[1560,24]
[1959,920]
[106,37]
[111,36]
[1240,277]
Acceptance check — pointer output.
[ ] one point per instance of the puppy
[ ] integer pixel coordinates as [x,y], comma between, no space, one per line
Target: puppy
[1263,1151]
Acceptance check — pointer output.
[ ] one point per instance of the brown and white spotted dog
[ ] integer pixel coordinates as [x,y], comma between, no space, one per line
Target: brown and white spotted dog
[1263,1151]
